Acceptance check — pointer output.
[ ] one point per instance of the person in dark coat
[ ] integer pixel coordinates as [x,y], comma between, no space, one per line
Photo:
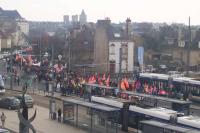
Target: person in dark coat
[59,114]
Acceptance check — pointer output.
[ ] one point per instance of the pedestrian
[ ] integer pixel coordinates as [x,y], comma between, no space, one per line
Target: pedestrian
[59,114]
[3,119]
[18,80]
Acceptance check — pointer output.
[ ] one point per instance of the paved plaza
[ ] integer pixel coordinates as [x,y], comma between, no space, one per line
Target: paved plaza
[42,123]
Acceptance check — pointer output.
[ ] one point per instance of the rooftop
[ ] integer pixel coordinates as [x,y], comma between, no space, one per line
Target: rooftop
[169,126]
[12,14]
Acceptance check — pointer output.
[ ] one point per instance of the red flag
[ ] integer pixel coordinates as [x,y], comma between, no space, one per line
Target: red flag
[104,77]
[150,89]
[89,79]
[126,83]
[17,57]
[146,88]
[92,79]
[123,87]
[108,81]
[99,80]
[162,92]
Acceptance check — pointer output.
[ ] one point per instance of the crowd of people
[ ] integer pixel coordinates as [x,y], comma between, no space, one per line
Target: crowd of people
[30,70]
[68,82]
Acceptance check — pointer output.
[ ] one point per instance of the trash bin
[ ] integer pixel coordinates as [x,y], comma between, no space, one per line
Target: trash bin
[54,116]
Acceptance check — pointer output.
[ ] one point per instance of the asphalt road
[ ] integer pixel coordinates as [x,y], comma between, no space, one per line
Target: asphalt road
[39,100]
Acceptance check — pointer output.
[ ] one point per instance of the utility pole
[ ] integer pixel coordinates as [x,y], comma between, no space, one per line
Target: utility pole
[69,52]
[52,54]
[11,67]
[40,41]
[120,69]
[188,49]
[65,53]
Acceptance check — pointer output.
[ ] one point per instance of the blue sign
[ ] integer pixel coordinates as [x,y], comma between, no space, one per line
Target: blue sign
[141,55]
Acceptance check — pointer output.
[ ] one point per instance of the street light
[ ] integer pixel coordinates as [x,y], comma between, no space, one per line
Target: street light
[52,105]
[51,34]
[67,48]
[11,62]
[59,57]
[46,54]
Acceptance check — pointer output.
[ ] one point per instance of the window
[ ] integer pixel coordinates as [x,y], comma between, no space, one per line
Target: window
[112,66]
[124,65]
[124,48]
[112,49]
[181,44]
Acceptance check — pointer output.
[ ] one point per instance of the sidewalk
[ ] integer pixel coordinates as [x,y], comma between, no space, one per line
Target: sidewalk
[42,123]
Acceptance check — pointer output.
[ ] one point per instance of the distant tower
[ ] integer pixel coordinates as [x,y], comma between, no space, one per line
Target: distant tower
[83,18]
[128,28]
[66,20]
[74,18]
[180,35]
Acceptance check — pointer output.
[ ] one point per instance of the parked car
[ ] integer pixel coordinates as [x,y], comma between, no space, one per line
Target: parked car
[4,130]
[9,103]
[28,100]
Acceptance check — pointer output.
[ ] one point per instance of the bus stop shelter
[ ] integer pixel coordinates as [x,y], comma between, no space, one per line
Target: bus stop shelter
[165,102]
[152,126]
[94,118]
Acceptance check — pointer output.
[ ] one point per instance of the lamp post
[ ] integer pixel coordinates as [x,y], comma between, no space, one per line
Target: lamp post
[52,105]
[40,41]
[59,58]
[46,54]
[51,34]
[120,69]
[11,63]
[188,49]
[69,53]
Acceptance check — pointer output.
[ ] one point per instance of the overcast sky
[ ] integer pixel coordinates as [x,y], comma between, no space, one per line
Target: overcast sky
[117,10]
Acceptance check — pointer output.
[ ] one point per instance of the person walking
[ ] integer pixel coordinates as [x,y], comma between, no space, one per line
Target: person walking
[59,114]
[18,80]
[3,119]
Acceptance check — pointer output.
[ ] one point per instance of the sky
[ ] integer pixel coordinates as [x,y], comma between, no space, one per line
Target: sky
[169,11]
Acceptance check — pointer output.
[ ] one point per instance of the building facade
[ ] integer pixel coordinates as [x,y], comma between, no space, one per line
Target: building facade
[101,40]
[5,41]
[107,44]
[127,58]
[74,18]
[66,19]
[14,27]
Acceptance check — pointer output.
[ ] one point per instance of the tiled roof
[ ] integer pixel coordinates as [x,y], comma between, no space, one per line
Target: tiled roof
[10,14]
